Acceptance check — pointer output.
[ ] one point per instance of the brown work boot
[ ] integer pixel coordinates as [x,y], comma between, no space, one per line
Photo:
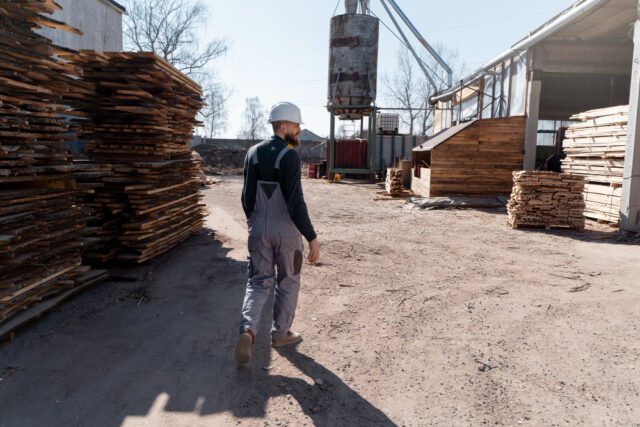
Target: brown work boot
[288,339]
[243,348]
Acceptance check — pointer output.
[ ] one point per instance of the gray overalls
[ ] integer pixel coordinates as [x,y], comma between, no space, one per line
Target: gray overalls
[274,240]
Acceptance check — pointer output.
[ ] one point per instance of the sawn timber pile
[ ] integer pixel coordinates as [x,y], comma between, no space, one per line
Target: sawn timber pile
[102,228]
[40,227]
[546,199]
[141,119]
[595,149]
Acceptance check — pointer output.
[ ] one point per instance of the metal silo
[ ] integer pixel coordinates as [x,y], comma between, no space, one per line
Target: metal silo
[353,63]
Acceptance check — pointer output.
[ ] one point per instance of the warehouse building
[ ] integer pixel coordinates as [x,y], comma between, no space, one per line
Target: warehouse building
[581,59]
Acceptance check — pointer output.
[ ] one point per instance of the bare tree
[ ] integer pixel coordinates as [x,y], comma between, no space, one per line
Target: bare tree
[401,89]
[215,113]
[255,120]
[426,90]
[410,89]
[168,28]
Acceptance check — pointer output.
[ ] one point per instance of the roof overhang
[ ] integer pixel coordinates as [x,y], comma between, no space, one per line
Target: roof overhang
[584,22]
[115,5]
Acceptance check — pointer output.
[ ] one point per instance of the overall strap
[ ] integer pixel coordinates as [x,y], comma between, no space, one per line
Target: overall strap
[284,151]
[253,156]
[253,160]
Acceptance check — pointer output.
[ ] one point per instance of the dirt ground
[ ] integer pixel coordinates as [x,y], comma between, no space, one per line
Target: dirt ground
[411,318]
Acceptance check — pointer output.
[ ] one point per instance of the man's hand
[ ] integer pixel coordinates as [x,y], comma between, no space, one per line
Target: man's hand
[314,251]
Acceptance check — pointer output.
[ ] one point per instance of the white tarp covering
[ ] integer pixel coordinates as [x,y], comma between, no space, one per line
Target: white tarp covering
[470,108]
[487,98]
[518,85]
[505,89]
[497,92]
[503,95]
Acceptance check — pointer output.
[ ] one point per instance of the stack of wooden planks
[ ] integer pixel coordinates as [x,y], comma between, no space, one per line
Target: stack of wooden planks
[40,227]
[141,119]
[546,199]
[102,227]
[595,149]
[394,183]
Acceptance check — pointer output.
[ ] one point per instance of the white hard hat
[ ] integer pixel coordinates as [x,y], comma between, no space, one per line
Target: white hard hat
[285,111]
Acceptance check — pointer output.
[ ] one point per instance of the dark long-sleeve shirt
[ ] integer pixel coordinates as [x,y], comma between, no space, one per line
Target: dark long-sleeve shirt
[288,177]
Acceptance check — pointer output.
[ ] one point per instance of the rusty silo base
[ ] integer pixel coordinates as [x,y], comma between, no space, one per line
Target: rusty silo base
[358,111]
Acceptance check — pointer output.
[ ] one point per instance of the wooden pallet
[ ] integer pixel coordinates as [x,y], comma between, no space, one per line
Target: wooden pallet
[29,314]
[547,227]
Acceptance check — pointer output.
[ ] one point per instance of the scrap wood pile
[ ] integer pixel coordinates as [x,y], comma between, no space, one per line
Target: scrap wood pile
[546,199]
[394,184]
[221,161]
[40,228]
[595,149]
[140,120]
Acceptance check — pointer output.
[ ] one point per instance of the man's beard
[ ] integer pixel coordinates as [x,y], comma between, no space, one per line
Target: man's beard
[292,139]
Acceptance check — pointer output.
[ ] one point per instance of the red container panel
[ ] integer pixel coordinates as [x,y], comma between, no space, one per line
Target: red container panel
[349,154]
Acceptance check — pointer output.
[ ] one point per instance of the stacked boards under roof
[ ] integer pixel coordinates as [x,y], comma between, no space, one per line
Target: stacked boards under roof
[595,149]
[40,228]
[141,116]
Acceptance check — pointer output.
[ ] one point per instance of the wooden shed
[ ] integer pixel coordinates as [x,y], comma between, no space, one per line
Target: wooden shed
[472,159]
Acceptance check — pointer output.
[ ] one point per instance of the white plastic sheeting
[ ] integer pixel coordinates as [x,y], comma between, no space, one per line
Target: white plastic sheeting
[487,97]
[518,85]
[497,92]
[506,72]
[447,116]
[470,108]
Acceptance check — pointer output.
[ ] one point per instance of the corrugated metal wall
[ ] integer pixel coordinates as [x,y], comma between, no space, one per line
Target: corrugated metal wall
[401,146]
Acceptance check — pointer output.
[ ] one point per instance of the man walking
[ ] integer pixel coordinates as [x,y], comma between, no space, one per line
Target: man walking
[277,214]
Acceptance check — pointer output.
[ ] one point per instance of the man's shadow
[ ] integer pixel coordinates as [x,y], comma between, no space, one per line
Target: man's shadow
[329,401]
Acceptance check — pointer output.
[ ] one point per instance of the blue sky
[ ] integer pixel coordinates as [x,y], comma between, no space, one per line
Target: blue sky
[279,49]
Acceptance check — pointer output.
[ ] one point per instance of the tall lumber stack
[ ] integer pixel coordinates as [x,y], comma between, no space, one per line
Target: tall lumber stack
[595,149]
[546,199]
[40,228]
[142,117]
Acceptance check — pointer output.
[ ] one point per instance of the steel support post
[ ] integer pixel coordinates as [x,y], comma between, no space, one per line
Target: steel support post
[531,130]
[630,208]
[371,140]
[381,151]
[332,142]
[393,150]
